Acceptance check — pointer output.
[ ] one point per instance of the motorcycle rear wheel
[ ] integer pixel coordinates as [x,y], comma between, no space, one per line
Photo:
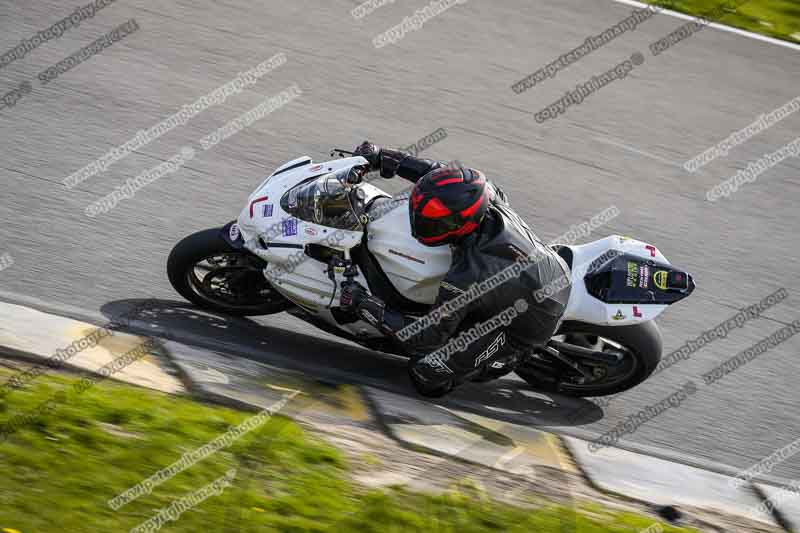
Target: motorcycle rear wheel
[213,275]
[639,345]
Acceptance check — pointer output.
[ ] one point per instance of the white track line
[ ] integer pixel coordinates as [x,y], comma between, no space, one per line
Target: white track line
[509,456]
[619,144]
[715,25]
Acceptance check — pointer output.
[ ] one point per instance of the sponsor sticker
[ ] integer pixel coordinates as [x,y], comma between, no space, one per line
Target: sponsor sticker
[315,168]
[660,279]
[267,212]
[234,233]
[632,279]
[308,230]
[257,201]
[636,312]
[289,227]
[644,276]
[619,315]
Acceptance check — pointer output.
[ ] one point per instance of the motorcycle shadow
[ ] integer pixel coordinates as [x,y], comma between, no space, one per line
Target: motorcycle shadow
[285,342]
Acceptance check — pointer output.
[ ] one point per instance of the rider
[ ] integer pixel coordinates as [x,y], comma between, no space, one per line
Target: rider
[460,208]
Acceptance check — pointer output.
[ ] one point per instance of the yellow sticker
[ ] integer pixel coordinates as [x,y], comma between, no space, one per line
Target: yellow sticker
[660,279]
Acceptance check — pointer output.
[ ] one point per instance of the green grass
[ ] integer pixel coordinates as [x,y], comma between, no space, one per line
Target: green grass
[61,469]
[774,18]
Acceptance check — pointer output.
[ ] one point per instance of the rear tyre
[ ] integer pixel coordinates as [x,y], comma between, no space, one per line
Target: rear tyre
[640,346]
[207,271]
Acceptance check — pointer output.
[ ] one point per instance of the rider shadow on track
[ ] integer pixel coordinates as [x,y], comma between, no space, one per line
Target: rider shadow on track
[295,345]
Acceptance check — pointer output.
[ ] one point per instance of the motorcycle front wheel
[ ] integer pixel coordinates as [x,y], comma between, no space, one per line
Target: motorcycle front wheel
[636,350]
[213,275]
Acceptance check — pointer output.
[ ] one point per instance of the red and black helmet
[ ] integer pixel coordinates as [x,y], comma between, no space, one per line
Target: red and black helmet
[447,204]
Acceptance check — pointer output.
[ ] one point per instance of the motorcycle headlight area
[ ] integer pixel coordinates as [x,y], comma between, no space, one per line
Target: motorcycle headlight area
[322,200]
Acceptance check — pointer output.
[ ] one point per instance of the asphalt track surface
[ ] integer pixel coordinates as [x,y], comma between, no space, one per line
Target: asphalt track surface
[622,146]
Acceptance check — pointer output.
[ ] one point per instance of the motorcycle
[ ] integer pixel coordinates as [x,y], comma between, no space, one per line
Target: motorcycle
[309,226]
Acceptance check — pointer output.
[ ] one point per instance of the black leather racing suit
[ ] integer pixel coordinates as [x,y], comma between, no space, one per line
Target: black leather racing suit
[498,268]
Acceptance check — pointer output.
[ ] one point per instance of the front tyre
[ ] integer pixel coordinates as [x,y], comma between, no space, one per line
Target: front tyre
[638,348]
[213,275]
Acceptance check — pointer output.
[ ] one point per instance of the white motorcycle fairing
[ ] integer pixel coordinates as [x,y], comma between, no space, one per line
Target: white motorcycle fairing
[286,243]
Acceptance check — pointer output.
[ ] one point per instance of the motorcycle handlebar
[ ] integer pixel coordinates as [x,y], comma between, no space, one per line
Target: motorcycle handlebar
[341,153]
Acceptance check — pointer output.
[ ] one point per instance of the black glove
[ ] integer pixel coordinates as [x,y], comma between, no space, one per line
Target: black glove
[368,308]
[371,152]
[352,295]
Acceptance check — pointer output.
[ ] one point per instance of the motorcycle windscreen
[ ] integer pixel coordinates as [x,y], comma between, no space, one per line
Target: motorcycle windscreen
[322,200]
[629,279]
